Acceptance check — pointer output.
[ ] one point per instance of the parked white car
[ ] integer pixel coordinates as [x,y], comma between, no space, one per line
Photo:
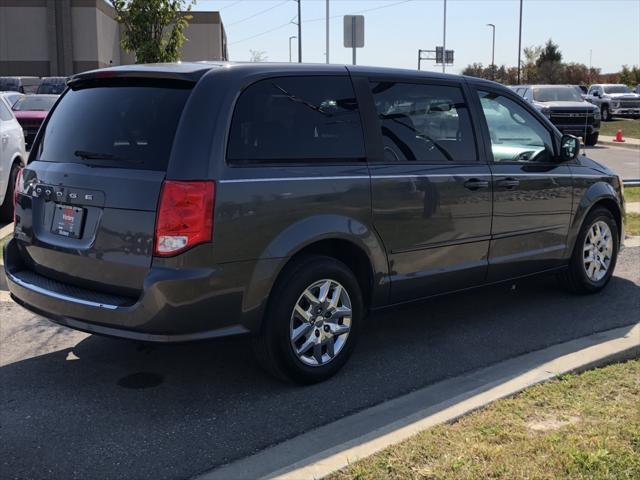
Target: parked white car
[12,157]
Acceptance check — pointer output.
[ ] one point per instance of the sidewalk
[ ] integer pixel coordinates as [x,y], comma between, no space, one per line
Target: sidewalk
[607,140]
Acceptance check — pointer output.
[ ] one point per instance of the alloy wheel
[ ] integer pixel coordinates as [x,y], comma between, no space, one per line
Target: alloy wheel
[320,322]
[597,251]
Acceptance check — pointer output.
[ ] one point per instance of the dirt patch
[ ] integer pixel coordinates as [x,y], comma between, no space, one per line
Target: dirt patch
[551,423]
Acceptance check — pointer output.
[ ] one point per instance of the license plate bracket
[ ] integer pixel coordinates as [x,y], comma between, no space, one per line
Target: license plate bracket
[67,221]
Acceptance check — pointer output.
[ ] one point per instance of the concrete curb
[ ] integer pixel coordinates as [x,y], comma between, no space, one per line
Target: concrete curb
[319,452]
[628,145]
[6,230]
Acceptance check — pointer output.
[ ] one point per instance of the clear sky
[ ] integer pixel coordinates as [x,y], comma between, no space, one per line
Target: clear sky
[395,30]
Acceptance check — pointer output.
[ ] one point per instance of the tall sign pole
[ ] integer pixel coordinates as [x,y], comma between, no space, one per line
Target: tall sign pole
[519,42]
[299,31]
[327,39]
[444,33]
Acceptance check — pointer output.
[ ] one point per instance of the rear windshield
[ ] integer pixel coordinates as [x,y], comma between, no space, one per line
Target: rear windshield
[128,126]
[36,102]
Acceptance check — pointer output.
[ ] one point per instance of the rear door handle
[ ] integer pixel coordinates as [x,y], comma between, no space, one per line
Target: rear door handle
[476,183]
[508,183]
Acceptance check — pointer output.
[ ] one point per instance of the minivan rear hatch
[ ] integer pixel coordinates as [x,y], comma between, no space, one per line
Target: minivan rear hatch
[86,211]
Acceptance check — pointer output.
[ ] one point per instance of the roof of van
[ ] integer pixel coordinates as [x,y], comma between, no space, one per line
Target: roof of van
[192,71]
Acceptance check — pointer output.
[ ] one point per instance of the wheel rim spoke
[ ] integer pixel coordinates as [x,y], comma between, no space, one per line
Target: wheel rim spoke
[300,332]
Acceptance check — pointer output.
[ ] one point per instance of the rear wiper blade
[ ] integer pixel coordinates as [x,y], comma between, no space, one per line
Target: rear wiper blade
[86,155]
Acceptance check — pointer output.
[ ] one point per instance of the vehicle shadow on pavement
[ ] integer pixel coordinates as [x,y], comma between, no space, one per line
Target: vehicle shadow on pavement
[106,408]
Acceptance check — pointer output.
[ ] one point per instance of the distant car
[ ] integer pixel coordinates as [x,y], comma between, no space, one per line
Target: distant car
[11,97]
[637,89]
[20,84]
[31,112]
[614,100]
[52,85]
[565,107]
[12,156]
[582,90]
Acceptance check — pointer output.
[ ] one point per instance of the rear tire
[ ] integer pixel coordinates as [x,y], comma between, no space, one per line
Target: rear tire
[6,209]
[594,255]
[300,351]
[591,139]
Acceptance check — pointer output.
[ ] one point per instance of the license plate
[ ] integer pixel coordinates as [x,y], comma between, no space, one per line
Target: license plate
[67,221]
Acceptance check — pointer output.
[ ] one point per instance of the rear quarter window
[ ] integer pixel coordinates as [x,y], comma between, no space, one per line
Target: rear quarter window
[296,119]
[128,126]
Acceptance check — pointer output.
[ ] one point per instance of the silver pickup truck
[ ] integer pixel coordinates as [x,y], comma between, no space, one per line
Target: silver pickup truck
[614,100]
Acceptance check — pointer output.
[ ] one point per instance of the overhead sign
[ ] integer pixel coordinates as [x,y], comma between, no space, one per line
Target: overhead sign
[354,31]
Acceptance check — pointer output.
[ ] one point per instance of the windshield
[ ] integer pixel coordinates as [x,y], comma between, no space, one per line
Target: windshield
[617,89]
[116,126]
[53,88]
[556,94]
[36,102]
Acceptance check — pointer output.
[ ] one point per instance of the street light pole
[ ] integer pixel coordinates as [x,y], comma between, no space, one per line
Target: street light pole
[327,28]
[291,38]
[493,51]
[299,31]
[519,42]
[444,37]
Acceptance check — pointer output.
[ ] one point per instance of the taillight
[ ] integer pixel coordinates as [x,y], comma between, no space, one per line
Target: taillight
[185,216]
[17,188]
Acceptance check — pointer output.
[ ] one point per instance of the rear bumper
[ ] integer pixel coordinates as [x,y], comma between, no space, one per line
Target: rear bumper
[176,305]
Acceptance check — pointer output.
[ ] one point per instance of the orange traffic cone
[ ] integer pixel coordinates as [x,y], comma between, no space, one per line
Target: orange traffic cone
[619,137]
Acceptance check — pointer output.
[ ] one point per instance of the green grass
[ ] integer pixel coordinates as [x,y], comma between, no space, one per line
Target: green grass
[630,128]
[631,194]
[576,427]
[632,224]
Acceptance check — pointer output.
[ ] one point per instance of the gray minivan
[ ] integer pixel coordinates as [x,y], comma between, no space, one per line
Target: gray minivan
[182,202]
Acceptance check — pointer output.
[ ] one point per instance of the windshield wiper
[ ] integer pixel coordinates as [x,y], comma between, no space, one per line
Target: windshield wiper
[86,155]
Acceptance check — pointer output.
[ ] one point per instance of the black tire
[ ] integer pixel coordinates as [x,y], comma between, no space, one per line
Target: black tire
[6,209]
[605,114]
[591,139]
[273,347]
[575,278]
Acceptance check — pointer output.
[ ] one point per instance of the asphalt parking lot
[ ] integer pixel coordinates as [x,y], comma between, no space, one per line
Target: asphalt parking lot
[79,406]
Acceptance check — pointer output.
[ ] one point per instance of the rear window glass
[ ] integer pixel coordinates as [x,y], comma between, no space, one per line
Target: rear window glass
[36,102]
[297,119]
[116,126]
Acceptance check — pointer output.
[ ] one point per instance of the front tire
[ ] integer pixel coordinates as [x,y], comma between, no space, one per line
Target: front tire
[594,255]
[312,322]
[591,139]
[605,113]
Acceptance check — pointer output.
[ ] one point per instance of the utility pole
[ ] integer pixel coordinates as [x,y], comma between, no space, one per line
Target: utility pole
[493,52]
[299,31]
[327,39]
[519,42]
[444,35]
[291,38]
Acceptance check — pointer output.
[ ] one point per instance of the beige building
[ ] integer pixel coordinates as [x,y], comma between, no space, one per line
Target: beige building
[62,37]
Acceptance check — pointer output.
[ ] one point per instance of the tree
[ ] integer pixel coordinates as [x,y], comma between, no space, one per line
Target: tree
[154,29]
[550,53]
[258,56]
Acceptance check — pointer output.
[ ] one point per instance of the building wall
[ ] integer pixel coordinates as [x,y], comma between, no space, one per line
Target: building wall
[62,37]
[24,23]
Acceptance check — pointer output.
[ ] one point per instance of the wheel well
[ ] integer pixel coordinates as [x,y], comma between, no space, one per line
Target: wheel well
[348,253]
[612,206]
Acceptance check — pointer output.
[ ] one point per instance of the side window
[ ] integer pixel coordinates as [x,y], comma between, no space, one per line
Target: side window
[424,123]
[516,135]
[294,119]
[5,114]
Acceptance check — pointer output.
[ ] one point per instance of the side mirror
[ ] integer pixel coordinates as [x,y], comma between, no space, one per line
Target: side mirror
[596,94]
[569,148]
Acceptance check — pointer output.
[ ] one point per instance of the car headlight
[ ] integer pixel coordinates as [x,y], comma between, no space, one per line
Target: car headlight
[615,104]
